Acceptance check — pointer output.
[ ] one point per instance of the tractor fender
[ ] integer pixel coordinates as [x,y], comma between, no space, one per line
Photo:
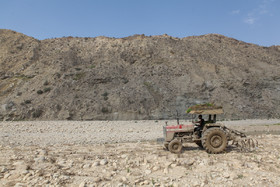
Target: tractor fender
[211,125]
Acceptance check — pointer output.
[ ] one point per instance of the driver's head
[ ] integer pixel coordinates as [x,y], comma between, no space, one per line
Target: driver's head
[200,117]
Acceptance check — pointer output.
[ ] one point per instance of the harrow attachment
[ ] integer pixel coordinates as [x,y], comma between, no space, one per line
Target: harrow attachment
[240,140]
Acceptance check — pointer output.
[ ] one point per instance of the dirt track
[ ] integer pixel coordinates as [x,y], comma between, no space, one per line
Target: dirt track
[91,132]
[41,158]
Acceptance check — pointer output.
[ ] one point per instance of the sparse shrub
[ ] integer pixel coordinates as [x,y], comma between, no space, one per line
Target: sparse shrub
[104,110]
[79,76]
[153,182]
[58,107]
[27,101]
[148,85]
[57,75]
[125,80]
[40,92]
[24,77]
[47,89]
[37,113]
[105,96]
[46,83]
[240,176]
[92,66]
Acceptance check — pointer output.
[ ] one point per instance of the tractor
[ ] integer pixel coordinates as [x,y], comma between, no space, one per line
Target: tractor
[211,136]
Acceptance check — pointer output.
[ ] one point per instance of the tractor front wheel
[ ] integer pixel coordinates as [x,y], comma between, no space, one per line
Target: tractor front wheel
[175,146]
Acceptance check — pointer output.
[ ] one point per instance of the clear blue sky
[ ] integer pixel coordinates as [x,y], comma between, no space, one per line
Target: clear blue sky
[253,21]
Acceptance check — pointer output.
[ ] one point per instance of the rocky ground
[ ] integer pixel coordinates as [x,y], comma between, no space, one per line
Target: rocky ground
[84,154]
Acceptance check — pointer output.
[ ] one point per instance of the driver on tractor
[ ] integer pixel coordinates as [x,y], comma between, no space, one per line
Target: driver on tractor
[201,123]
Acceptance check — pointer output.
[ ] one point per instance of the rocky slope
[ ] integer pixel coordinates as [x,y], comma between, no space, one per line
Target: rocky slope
[137,77]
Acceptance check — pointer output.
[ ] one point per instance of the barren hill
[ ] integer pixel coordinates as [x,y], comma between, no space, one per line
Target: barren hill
[137,77]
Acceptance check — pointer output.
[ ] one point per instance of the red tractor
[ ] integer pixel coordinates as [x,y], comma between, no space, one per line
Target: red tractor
[211,136]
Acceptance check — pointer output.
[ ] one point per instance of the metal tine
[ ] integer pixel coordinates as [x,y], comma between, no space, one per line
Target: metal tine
[257,143]
[249,144]
[252,144]
[243,147]
[246,144]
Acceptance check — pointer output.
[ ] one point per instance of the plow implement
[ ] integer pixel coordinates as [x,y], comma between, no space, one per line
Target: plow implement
[240,140]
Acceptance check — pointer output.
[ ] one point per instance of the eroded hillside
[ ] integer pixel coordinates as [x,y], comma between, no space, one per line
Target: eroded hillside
[137,77]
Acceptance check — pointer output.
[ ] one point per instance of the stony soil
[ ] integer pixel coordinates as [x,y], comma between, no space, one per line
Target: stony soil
[83,154]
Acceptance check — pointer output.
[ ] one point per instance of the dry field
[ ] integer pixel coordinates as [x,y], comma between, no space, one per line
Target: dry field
[34,154]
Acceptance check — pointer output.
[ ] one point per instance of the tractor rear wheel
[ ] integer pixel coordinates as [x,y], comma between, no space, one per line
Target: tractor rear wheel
[214,140]
[175,146]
